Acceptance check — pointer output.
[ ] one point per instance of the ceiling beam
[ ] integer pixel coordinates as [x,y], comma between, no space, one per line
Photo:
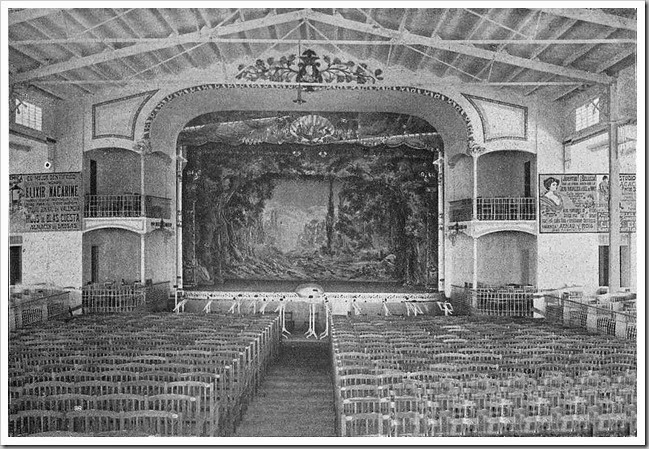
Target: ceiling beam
[90,29]
[76,63]
[438,25]
[605,65]
[474,29]
[595,16]
[575,56]
[464,49]
[485,17]
[502,45]
[26,15]
[558,33]
[30,53]
[407,39]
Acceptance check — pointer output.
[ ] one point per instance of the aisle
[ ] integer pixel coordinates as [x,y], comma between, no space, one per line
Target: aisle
[296,397]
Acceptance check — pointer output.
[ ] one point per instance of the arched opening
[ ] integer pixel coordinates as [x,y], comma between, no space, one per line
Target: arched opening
[515,253]
[452,119]
[111,255]
[347,199]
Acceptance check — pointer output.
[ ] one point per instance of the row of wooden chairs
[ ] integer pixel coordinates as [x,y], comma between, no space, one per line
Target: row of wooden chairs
[431,376]
[204,369]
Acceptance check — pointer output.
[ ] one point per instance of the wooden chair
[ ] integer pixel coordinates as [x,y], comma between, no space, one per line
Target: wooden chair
[27,422]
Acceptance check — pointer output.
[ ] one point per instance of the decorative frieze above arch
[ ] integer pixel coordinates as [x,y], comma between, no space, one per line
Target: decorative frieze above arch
[211,86]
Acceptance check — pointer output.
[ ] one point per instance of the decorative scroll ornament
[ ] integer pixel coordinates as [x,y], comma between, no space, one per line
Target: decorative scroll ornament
[308,70]
[143,146]
[475,149]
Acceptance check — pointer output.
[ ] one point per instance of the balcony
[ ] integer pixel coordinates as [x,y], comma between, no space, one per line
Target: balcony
[126,206]
[494,209]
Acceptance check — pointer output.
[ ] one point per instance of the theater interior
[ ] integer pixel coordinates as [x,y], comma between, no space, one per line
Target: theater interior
[323,223]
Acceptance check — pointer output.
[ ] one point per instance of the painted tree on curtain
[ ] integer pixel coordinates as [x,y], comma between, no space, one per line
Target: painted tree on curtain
[377,223]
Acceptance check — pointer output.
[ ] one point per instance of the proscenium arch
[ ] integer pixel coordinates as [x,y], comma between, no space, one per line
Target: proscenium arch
[453,121]
[167,119]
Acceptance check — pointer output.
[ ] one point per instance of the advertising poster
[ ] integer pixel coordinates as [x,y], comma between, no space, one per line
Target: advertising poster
[45,202]
[577,203]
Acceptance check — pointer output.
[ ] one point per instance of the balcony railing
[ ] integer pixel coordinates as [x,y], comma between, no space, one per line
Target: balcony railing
[125,206]
[493,209]
[506,208]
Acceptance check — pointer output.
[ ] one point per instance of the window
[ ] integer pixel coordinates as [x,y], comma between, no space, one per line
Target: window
[15,265]
[587,115]
[29,115]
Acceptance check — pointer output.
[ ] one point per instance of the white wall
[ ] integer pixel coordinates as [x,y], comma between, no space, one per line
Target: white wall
[159,256]
[68,132]
[27,155]
[568,261]
[461,257]
[459,180]
[52,257]
[159,176]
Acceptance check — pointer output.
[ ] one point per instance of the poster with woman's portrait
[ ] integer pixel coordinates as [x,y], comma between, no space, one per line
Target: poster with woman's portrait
[570,203]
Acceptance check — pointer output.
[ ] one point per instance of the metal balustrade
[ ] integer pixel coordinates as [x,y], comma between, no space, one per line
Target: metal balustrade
[506,300]
[31,308]
[506,208]
[125,206]
[587,314]
[112,298]
[493,209]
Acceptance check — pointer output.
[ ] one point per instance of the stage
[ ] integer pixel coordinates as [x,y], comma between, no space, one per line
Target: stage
[237,285]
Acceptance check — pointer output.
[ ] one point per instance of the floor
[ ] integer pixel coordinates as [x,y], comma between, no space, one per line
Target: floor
[296,396]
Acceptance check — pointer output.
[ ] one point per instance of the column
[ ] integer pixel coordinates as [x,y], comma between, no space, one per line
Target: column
[614,194]
[142,259]
[474,156]
[143,215]
[475,262]
[441,228]
[142,196]
[179,217]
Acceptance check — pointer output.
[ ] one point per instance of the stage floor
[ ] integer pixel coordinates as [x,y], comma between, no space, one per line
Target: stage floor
[328,286]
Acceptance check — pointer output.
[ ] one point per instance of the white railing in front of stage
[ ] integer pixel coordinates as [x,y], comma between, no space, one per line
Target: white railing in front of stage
[341,303]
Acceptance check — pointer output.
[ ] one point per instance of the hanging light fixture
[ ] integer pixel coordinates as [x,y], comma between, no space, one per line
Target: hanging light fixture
[299,99]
